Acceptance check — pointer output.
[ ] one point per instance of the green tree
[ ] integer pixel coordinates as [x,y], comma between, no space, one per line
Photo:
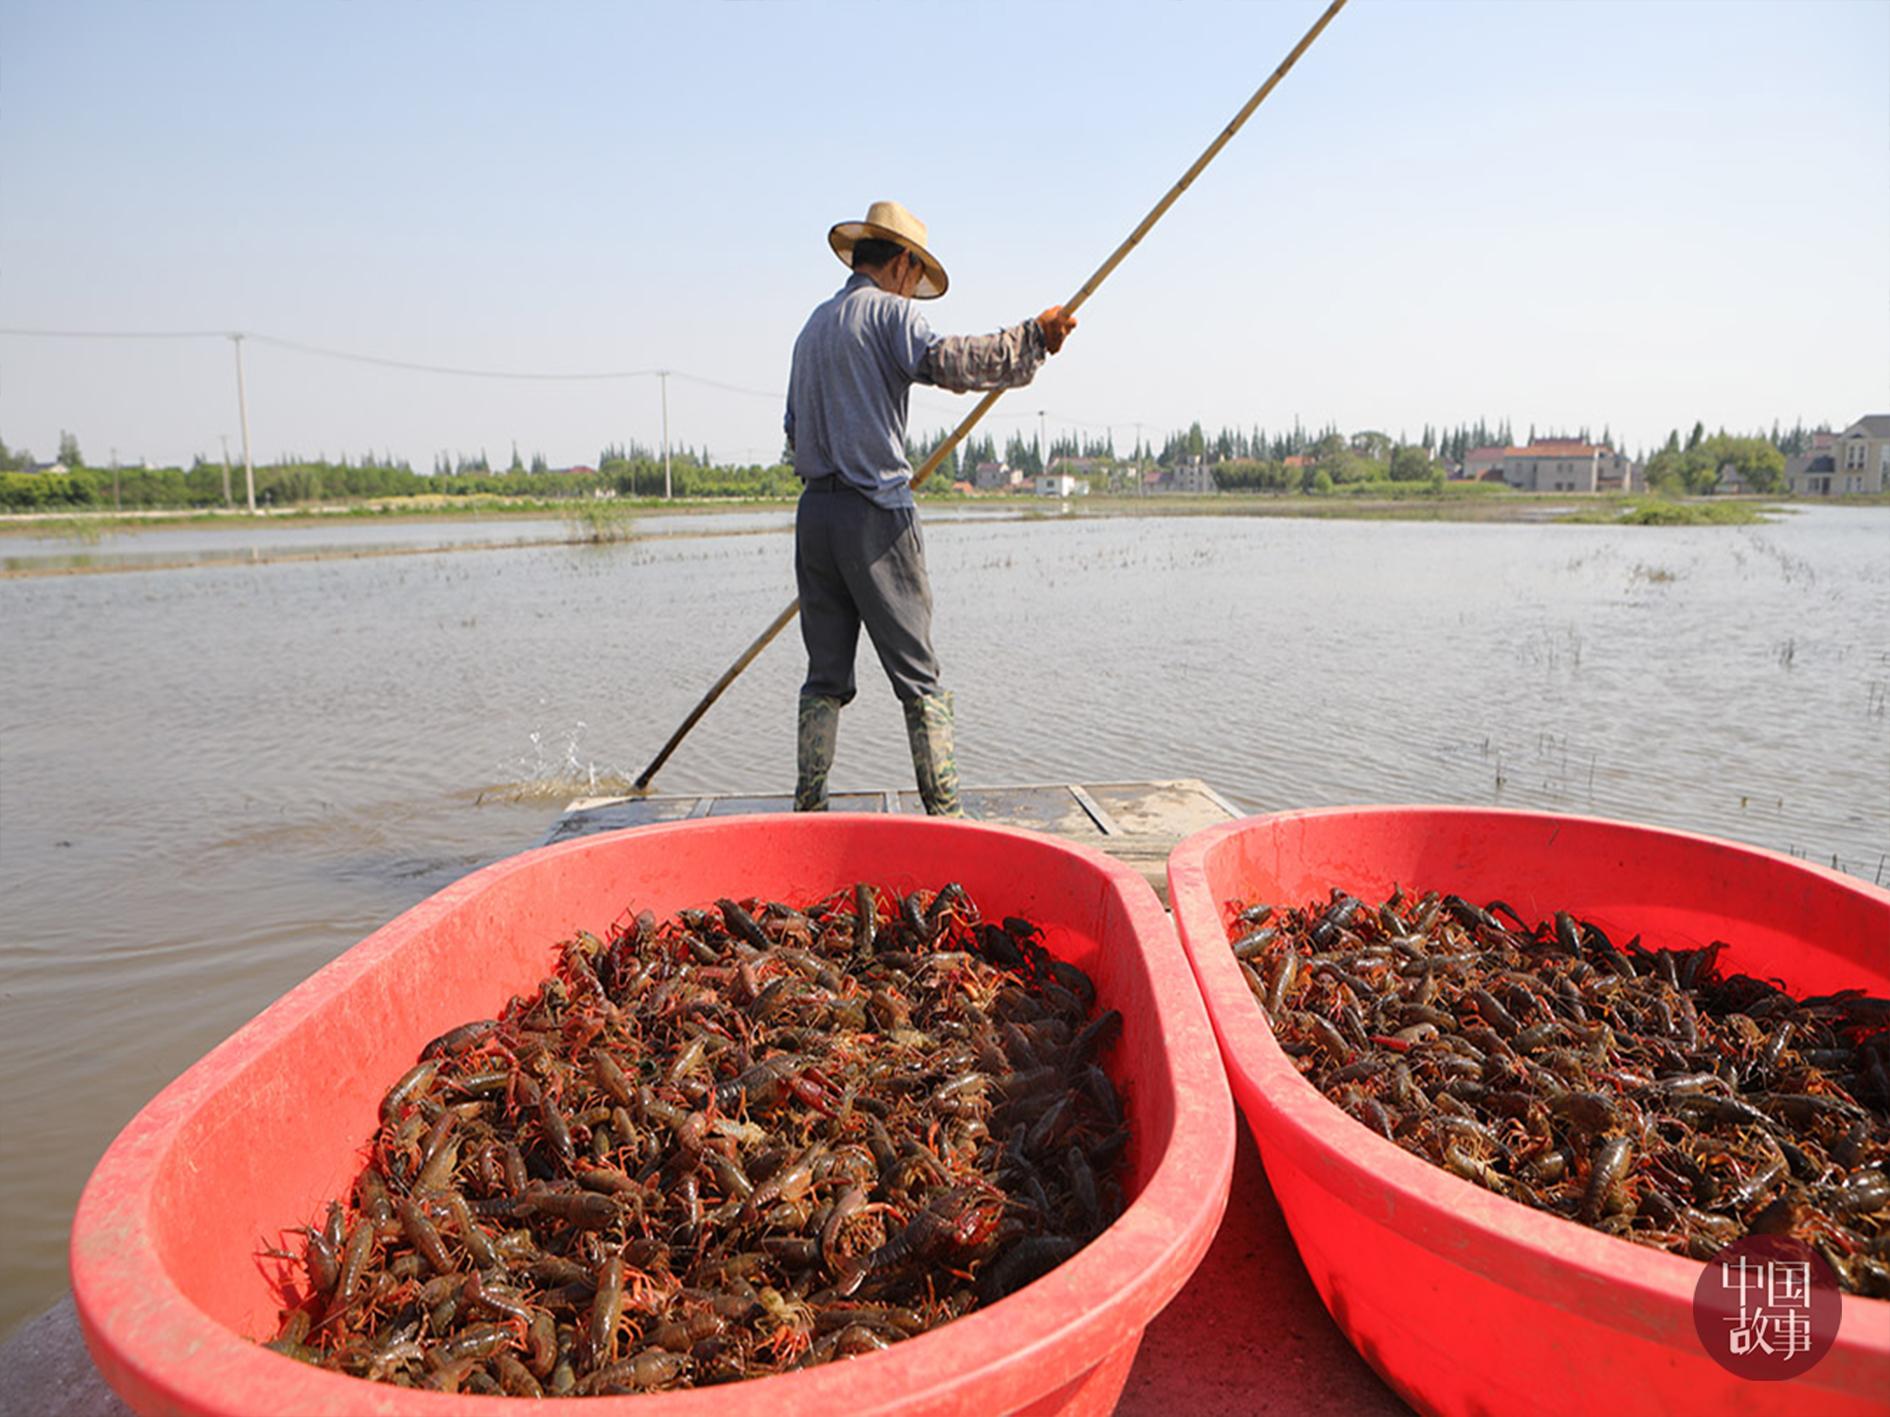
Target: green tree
[1410,464]
[1760,465]
[1376,446]
[69,453]
[1322,482]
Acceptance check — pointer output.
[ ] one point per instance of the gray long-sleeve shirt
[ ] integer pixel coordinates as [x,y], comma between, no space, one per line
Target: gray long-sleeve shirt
[854,364]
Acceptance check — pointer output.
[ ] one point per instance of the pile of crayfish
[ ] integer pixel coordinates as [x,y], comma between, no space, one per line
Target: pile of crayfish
[748,1139]
[1644,1092]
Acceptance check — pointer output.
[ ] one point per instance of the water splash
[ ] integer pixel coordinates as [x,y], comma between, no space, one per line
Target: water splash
[558,768]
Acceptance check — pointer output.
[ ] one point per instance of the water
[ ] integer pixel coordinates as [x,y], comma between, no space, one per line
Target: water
[49,546]
[127,544]
[214,781]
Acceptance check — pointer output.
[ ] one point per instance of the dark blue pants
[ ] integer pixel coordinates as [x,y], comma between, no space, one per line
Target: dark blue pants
[858,563]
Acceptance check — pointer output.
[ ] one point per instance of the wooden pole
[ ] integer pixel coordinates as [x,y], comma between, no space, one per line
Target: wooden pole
[1075,303]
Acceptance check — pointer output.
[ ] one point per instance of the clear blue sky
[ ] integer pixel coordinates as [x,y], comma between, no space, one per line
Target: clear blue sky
[1624,214]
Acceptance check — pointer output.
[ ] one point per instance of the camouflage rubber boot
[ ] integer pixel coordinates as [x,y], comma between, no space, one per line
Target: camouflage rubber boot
[934,753]
[819,731]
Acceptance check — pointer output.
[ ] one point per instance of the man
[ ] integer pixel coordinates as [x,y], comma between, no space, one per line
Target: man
[858,555]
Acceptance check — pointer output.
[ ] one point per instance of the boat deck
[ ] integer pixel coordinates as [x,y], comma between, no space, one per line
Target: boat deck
[1138,823]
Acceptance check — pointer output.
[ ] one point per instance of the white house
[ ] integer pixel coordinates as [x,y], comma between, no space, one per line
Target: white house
[1555,465]
[1061,484]
[1856,460]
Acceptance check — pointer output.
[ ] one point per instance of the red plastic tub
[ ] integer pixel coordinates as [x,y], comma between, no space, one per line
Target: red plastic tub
[166,1270]
[1463,1301]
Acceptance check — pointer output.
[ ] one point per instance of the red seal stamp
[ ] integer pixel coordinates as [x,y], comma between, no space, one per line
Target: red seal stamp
[1767,1308]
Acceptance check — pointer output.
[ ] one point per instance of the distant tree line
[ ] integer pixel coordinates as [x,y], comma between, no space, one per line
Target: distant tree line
[1244,459]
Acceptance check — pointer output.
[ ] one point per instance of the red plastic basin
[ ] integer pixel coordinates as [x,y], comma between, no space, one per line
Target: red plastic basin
[166,1270]
[1463,1301]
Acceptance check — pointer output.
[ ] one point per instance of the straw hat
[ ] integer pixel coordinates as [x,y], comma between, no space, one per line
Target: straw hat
[888,221]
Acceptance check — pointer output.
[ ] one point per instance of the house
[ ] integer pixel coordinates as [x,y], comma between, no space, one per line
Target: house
[1854,461]
[1061,484]
[1617,472]
[995,477]
[1194,476]
[50,469]
[1483,464]
[1808,474]
[1555,465]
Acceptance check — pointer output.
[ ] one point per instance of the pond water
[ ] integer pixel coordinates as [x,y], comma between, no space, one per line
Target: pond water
[128,545]
[214,780]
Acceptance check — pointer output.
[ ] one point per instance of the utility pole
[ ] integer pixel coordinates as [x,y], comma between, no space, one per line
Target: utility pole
[226,467]
[242,409]
[1043,442]
[663,374]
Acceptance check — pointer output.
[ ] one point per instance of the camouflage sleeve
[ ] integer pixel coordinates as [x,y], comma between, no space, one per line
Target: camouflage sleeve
[1008,359]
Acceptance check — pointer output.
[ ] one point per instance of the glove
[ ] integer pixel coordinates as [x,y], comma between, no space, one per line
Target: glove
[1056,327]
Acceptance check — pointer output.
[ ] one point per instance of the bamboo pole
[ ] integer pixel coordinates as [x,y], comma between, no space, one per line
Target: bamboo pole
[971,420]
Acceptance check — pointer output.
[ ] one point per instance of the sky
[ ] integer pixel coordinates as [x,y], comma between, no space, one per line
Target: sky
[1565,214]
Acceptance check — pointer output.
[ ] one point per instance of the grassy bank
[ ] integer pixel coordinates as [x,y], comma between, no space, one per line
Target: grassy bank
[1658,511]
[609,519]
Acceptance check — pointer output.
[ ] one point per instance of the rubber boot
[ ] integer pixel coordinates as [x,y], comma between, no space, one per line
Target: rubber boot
[819,732]
[934,753]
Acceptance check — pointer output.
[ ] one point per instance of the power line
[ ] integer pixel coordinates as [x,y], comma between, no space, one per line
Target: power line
[414,366]
[121,334]
[460,372]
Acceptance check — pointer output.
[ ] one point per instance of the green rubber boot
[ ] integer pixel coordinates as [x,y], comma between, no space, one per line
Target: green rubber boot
[934,753]
[819,732]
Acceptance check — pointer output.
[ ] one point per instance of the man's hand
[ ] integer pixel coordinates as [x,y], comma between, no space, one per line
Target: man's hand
[1056,327]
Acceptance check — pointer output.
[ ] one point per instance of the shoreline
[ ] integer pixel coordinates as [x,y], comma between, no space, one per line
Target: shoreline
[85,532]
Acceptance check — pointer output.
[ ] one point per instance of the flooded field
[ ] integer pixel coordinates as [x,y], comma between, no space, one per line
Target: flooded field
[52,545]
[213,781]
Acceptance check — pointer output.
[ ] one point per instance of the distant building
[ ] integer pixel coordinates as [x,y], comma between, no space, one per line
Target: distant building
[1061,484]
[995,477]
[1195,476]
[1617,472]
[579,471]
[1484,464]
[49,469]
[1555,465]
[1808,474]
[1855,461]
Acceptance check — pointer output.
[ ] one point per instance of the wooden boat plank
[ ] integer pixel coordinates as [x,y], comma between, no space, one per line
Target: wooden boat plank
[1138,823]
[1181,807]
